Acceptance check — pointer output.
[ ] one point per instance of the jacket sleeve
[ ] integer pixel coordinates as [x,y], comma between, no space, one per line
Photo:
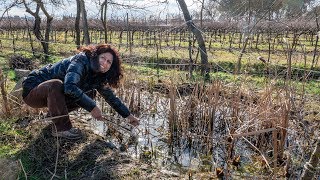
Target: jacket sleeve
[107,93]
[74,74]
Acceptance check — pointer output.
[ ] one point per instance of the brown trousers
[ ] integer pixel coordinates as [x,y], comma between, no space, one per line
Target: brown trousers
[50,94]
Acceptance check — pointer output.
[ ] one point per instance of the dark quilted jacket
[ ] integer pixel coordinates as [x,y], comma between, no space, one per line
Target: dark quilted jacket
[78,77]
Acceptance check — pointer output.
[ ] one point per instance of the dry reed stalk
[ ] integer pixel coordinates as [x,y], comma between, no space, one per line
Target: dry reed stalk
[120,92]
[102,102]
[192,105]
[4,94]
[131,103]
[57,155]
[139,100]
[275,147]
[172,112]
[179,121]
[213,97]
[24,172]
[264,158]
[310,168]
[253,133]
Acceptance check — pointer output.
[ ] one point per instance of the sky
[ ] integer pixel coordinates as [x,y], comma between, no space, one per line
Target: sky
[153,8]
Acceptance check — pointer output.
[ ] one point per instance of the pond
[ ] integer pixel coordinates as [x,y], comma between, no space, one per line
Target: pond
[186,148]
[192,131]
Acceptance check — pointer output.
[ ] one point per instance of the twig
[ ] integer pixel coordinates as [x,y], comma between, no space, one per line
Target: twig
[310,168]
[55,117]
[57,155]
[45,120]
[25,174]
[65,174]
[264,158]
[253,133]
[53,174]
[118,126]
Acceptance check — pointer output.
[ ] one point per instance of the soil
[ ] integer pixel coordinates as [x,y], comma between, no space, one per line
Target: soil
[91,157]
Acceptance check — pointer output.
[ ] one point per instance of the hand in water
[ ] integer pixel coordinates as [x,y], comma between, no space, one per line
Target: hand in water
[96,113]
[133,120]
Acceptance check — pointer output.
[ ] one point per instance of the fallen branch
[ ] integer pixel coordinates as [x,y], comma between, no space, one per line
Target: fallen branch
[253,133]
[57,156]
[310,168]
[25,174]
[264,158]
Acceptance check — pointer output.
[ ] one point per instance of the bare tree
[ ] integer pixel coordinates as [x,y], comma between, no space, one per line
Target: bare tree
[37,22]
[201,11]
[198,35]
[8,6]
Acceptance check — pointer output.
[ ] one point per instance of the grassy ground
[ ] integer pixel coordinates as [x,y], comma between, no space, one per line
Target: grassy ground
[28,150]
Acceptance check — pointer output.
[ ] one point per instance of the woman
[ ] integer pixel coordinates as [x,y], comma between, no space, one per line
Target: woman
[72,83]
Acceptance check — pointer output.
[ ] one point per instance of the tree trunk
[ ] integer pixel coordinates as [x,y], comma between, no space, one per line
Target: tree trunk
[104,19]
[201,13]
[85,23]
[77,24]
[197,33]
[47,31]
[245,43]
[37,29]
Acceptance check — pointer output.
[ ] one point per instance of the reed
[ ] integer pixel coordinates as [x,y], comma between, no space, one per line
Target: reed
[216,119]
[4,93]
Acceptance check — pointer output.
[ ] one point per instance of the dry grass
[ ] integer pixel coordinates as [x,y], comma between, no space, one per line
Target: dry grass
[268,129]
[234,121]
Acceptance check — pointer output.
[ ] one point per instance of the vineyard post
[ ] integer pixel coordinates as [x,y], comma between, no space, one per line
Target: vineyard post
[317,40]
[157,65]
[190,56]
[160,40]
[128,36]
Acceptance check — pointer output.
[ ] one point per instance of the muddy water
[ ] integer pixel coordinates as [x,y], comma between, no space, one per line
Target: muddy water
[153,137]
[153,143]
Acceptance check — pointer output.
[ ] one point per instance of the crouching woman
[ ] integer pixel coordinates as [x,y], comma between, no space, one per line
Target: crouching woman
[72,83]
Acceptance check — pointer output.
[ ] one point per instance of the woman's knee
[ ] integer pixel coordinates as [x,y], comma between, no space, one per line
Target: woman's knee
[56,85]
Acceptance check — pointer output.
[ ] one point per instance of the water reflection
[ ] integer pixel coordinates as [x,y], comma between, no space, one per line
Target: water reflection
[153,142]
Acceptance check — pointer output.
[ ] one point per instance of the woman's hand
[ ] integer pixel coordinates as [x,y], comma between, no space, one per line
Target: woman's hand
[96,113]
[133,120]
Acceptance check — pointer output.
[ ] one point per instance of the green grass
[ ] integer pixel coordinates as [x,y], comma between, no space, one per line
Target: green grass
[220,59]
[12,139]
[149,74]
